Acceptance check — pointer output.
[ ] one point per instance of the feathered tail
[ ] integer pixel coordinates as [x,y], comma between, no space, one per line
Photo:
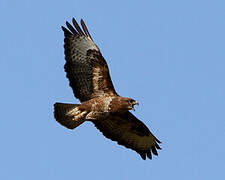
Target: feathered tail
[62,115]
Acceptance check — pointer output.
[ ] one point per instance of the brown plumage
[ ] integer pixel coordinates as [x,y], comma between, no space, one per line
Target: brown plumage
[89,77]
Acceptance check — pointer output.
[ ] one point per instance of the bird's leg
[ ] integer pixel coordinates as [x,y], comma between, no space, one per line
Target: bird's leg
[96,115]
[80,116]
[77,114]
[91,116]
[73,112]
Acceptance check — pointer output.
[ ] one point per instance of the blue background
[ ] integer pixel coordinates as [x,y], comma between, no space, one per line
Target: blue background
[168,55]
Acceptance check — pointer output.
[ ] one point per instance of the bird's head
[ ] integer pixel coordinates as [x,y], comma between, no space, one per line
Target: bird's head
[129,103]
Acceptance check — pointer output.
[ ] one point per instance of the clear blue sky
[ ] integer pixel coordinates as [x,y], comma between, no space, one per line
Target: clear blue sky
[168,55]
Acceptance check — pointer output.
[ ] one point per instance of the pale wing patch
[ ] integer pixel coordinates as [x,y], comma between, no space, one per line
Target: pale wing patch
[107,104]
[97,80]
[80,45]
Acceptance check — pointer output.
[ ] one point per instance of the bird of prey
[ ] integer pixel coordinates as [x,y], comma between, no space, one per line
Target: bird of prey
[89,77]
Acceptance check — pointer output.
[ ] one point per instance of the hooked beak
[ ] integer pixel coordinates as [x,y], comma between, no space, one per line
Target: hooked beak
[134,103]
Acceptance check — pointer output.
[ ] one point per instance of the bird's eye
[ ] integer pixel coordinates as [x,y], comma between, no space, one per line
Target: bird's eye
[131,101]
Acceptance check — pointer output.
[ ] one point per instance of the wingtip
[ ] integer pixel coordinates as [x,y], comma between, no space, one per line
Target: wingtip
[154,151]
[85,29]
[63,28]
[74,21]
[149,154]
[77,27]
[81,20]
[67,23]
[157,146]
[66,31]
[142,154]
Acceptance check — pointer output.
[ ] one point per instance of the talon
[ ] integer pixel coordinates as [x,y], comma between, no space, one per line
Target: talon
[73,112]
[80,116]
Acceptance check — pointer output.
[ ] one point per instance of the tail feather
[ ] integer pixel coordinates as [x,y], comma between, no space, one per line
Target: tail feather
[62,116]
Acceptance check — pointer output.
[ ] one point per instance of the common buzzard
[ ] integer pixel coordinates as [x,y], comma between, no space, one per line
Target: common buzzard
[89,78]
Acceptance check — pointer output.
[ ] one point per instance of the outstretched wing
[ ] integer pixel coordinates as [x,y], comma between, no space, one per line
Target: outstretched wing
[130,132]
[85,66]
